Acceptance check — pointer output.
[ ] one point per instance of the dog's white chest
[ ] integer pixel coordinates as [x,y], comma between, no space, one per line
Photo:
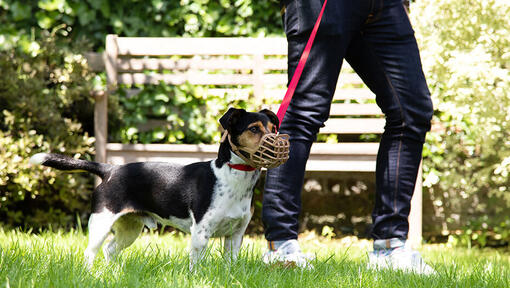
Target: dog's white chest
[231,217]
[230,206]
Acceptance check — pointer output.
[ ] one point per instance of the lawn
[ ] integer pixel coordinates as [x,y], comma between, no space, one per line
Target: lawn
[55,259]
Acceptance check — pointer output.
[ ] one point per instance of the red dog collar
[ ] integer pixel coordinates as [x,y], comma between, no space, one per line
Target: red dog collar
[241,167]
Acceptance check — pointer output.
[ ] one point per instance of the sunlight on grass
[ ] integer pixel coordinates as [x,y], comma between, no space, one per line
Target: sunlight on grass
[55,259]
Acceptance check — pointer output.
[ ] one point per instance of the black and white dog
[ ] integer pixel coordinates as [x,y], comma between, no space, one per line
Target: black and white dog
[206,199]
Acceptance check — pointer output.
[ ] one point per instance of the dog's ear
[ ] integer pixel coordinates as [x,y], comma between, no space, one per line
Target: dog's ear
[272,117]
[231,117]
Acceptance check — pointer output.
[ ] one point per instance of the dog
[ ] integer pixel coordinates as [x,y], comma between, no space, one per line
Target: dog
[206,199]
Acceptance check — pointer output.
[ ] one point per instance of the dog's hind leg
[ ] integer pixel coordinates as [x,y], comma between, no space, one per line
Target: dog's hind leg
[126,229]
[100,225]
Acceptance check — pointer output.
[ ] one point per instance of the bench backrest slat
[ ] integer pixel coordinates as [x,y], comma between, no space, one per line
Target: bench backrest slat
[156,46]
[179,79]
[346,109]
[203,78]
[142,64]
[354,126]
[333,125]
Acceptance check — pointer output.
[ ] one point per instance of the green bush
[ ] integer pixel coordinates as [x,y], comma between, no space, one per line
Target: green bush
[93,19]
[466,56]
[44,99]
[186,113]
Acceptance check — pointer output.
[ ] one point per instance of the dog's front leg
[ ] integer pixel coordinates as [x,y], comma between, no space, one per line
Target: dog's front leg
[198,248]
[199,238]
[232,244]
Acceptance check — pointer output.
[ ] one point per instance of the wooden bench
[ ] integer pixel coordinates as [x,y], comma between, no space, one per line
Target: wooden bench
[246,67]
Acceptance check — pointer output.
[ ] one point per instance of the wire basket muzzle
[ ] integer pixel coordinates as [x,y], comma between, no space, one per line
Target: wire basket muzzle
[272,152]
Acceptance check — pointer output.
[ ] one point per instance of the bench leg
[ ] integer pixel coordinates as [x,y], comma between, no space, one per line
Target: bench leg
[100,129]
[415,216]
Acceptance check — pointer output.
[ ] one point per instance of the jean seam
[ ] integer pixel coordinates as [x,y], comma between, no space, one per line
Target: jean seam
[397,186]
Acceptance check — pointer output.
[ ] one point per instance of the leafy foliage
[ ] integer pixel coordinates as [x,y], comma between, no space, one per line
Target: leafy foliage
[93,19]
[466,52]
[44,98]
[186,114]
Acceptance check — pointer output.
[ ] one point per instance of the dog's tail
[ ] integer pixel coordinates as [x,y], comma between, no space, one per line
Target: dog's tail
[70,164]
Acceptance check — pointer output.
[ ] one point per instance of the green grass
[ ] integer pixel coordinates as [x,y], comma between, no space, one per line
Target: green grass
[56,260]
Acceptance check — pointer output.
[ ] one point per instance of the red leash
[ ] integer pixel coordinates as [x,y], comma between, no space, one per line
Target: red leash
[301,65]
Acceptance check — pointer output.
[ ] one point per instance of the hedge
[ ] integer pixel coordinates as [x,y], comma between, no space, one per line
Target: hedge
[466,57]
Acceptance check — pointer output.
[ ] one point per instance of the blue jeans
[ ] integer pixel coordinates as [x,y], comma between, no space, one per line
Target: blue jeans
[376,38]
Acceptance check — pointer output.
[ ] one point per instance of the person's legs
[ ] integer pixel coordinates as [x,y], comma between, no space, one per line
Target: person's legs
[307,112]
[282,196]
[386,57]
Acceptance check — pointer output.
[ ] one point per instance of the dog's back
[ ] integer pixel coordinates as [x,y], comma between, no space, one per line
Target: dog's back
[165,189]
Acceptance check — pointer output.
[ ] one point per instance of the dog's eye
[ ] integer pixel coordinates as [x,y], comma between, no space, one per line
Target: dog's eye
[254,129]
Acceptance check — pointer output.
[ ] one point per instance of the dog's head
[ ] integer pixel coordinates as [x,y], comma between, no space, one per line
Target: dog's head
[252,136]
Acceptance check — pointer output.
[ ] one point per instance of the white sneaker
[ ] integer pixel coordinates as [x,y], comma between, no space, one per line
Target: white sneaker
[393,254]
[289,254]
